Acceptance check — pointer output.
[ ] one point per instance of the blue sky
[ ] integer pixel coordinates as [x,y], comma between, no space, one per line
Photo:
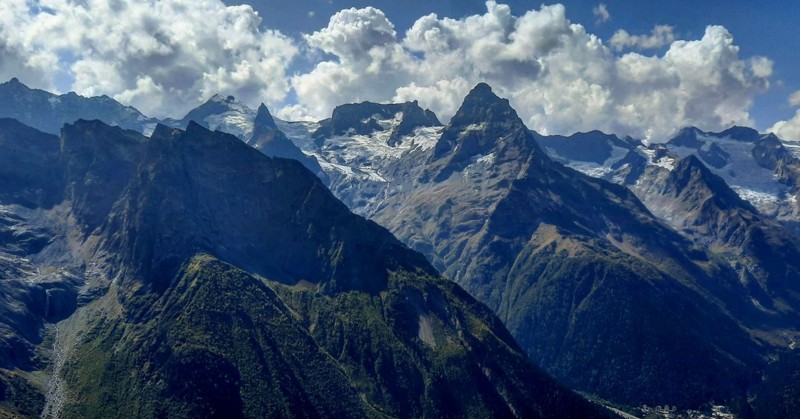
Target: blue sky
[644,69]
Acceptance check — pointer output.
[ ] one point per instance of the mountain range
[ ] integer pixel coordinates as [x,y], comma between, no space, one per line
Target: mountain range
[187,274]
[636,273]
[579,269]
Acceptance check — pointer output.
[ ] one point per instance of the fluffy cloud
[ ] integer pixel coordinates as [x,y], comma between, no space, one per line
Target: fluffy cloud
[162,57]
[789,129]
[560,78]
[660,36]
[601,13]
[166,56]
[370,63]
[17,60]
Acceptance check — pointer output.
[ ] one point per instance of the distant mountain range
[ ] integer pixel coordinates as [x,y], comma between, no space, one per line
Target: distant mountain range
[649,274]
[762,169]
[48,112]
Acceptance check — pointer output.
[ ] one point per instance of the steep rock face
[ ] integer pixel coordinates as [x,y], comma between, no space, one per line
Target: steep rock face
[194,209]
[703,207]
[48,112]
[211,280]
[577,268]
[39,282]
[30,166]
[99,162]
[770,153]
[271,141]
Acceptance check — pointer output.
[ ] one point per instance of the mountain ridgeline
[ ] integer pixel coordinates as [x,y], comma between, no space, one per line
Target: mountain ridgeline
[603,294]
[143,271]
[48,112]
[189,275]
[363,119]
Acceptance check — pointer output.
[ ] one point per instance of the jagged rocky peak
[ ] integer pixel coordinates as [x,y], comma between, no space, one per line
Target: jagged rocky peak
[16,87]
[627,141]
[691,166]
[365,118]
[264,127]
[483,124]
[771,153]
[201,173]
[271,141]
[481,105]
[691,174]
[264,118]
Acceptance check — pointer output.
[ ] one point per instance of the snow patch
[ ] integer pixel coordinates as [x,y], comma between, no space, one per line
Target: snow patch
[487,159]
[237,122]
[793,147]
[751,181]
[425,138]
[758,198]
[359,156]
[666,162]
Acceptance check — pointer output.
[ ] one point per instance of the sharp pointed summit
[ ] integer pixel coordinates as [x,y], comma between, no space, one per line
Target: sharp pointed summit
[482,105]
[484,125]
[264,118]
[271,141]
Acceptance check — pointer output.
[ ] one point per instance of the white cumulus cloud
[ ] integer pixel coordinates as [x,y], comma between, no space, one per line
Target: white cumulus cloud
[163,57]
[789,129]
[660,36]
[559,77]
[167,56]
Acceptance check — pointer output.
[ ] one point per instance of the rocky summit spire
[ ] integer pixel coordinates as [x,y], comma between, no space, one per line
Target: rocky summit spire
[264,118]
[484,124]
[481,105]
[270,140]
